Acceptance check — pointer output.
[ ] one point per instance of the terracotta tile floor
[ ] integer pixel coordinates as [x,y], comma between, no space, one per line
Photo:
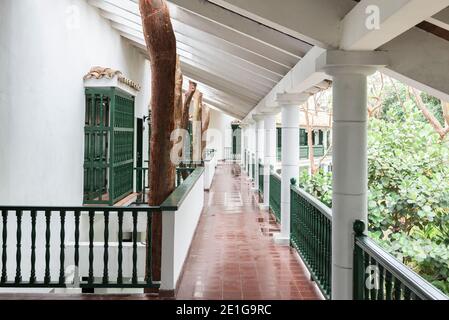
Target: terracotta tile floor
[233,256]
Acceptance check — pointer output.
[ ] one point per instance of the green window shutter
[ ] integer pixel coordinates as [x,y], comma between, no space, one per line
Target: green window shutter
[108,146]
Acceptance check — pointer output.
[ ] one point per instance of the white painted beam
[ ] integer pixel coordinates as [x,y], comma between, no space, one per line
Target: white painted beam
[234,37]
[219,83]
[245,26]
[223,68]
[303,76]
[314,21]
[420,59]
[372,23]
[441,19]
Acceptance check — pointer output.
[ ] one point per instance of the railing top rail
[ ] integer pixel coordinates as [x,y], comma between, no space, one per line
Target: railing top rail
[80,209]
[325,210]
[276,175]
[175,200]
[421,287]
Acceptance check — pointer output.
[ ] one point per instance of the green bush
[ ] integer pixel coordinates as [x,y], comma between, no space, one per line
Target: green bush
[408,200]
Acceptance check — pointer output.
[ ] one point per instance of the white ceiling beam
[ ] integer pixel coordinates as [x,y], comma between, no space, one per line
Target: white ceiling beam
[314,21]
[201,36]
[394,18]
[299,80]
[210,54]
[420,59]
[128,10]
[242,80]
[221,96]
[245,26]
[228,76]
[441,19]
[234,37]
[223,68]
[219,83]
[204,51]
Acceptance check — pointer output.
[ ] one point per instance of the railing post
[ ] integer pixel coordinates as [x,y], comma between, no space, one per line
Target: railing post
[359,269]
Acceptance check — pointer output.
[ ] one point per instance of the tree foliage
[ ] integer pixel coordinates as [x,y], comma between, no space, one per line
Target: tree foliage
[408,180]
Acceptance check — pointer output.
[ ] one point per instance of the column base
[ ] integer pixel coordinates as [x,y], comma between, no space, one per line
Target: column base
[281,240]
[264,207]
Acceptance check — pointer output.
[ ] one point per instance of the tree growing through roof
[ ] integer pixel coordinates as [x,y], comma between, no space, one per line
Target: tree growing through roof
[161,45]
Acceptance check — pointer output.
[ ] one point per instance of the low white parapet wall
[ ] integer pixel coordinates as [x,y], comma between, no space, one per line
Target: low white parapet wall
[209,171]
[180,216]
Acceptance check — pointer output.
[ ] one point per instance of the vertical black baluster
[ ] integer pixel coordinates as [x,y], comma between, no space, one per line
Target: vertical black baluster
[19,247]
[407,293]
[77,246]
[375,278]
[4,246]
[106,248]
[120,247]
[33,247]
[47,277]
[388,285]
[397,289]
[148,249]
[62,248]
[91,246]
[380,294]
[134,276]
[366,260]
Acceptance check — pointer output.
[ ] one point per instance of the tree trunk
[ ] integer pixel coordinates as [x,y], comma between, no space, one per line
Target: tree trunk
[205,118]
[161,45]
[429,116]
[178,94]
[196,126]
[186,113]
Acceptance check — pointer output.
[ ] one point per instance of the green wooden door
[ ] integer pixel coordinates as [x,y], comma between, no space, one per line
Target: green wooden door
[122,155]
[96,146]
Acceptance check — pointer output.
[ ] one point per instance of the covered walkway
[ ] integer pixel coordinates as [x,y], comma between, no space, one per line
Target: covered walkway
[233,255]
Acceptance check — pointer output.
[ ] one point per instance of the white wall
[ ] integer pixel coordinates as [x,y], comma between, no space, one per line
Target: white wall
[220,132]
[209,171]
[46,48]
[178,228]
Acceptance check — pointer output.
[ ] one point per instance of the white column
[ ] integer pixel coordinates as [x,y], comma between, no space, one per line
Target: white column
[350,175]
[290,103]
[258,144]
[269,154]
[252,147]
[325,131]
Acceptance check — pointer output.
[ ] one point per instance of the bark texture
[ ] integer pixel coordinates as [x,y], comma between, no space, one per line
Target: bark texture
[196,126]
[186,113]
[178,94]
[161,45]
[205,119]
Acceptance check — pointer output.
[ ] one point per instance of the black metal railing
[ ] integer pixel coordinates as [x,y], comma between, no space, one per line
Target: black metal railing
[142,186]
[380,276]
[67,246]
[311,235]
[275,195]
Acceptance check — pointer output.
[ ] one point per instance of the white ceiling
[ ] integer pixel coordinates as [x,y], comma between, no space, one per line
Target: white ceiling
[235,61]
[243,52]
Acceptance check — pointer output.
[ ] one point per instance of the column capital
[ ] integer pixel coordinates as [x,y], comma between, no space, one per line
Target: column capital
[258,117]
[271,112]
[335,62]
[291,99]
